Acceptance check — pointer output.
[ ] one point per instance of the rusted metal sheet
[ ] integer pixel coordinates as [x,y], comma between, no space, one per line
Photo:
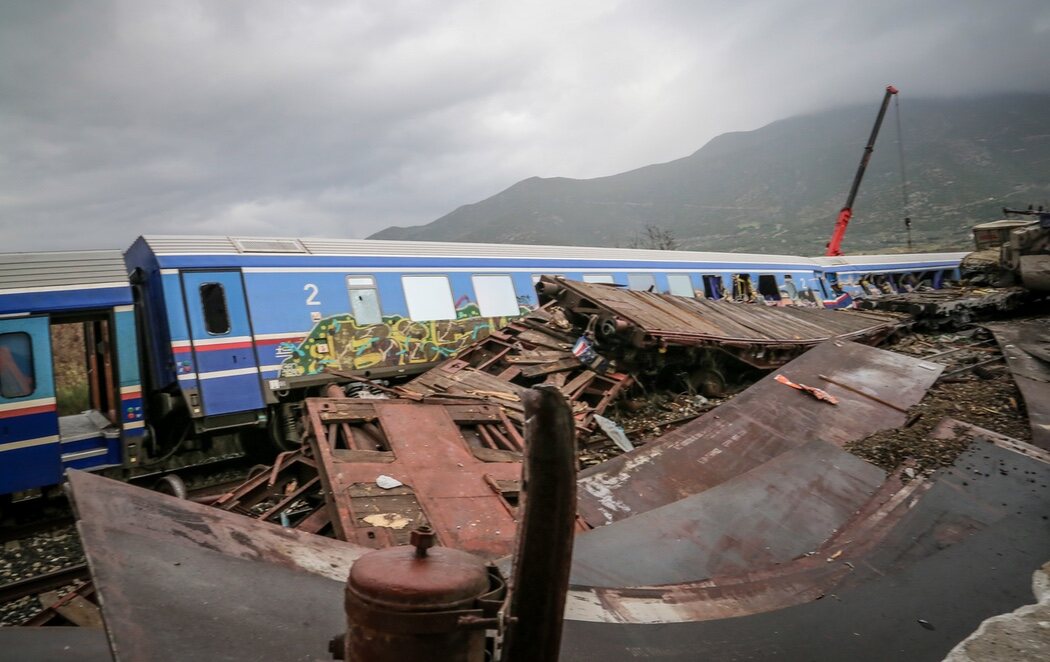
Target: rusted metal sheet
[874,388]
[771,514]
[762,336]
[453,464]
[543,554]
[67,644]
[535,349]
[182,581]
[913,571]
[950,428]
[1026,347]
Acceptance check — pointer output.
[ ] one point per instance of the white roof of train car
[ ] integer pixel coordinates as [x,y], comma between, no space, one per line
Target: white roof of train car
[232,245]
[61,269]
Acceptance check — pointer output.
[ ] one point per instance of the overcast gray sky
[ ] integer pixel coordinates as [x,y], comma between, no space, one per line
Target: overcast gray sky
[339,118]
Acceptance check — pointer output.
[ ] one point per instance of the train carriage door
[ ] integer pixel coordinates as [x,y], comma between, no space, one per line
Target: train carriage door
[221,335]
[30,453]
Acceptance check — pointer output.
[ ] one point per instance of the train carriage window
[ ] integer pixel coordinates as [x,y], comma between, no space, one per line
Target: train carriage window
[742,289]
[680,285]
[713,288]
[364,300]
[536,277]
[599,278]
[496,296]
[428,298]
[789,287]
[17,378]
[216,315]
[641,282]
[767,287]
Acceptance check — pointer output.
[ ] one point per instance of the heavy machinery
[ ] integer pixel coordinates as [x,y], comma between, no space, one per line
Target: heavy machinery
[1012,251]
[834,247]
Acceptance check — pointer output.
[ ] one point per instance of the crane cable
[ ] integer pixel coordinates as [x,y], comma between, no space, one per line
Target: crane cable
[904,178]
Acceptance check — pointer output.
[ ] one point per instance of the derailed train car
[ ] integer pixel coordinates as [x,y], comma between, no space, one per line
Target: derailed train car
[73,311]
[234,331]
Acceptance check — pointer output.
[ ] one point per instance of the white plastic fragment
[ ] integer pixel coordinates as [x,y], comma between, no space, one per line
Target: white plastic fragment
[387,483]
[614,432]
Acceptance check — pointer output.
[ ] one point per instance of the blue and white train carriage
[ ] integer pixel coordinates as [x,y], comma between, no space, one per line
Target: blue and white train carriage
[237,326]
[72,310]
[233,331]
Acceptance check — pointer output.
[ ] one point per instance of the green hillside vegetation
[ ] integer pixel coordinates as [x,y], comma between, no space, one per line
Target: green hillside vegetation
[778,189]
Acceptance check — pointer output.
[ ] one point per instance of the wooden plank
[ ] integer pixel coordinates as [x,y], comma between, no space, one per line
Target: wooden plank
[74,608]
[578,382]
[557,366]
[539,357]
[543,340]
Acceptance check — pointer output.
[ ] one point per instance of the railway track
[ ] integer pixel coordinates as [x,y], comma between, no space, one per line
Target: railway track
[29,529]
[28,537]
[47,581]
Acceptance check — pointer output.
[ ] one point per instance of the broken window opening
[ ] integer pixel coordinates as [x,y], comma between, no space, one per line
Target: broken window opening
[713,288]
[742,289]
[767,287]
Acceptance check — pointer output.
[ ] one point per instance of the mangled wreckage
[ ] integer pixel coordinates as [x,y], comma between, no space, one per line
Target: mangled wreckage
[747,532]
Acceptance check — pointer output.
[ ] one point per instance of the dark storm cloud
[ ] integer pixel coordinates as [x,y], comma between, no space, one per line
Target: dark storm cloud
[340,118]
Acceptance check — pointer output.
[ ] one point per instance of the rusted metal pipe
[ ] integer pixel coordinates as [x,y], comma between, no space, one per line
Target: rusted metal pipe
[545,535]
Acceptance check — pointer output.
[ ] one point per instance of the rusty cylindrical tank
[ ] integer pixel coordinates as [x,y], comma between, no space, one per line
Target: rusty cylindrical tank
[417,602]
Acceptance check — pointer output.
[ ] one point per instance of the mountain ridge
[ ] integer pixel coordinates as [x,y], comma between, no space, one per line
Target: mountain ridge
[778,188]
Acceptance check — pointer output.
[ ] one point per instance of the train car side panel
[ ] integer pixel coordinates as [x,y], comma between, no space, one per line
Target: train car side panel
[29,443]
[131,410]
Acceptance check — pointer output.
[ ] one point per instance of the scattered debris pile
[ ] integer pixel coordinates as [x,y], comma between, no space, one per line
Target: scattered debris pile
[532,350]
[950,307]
[848,479]
[874,389]
[975,388]
[1026,347]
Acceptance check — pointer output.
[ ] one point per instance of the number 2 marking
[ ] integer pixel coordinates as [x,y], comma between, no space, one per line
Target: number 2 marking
[311,300]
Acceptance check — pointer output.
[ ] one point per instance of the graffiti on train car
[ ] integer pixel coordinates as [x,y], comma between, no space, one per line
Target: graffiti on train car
[339,342]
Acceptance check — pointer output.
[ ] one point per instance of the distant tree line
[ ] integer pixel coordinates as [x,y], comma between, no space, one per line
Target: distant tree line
[654,237]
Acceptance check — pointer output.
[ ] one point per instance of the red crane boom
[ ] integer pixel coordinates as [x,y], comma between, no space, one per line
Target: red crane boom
[835,243]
